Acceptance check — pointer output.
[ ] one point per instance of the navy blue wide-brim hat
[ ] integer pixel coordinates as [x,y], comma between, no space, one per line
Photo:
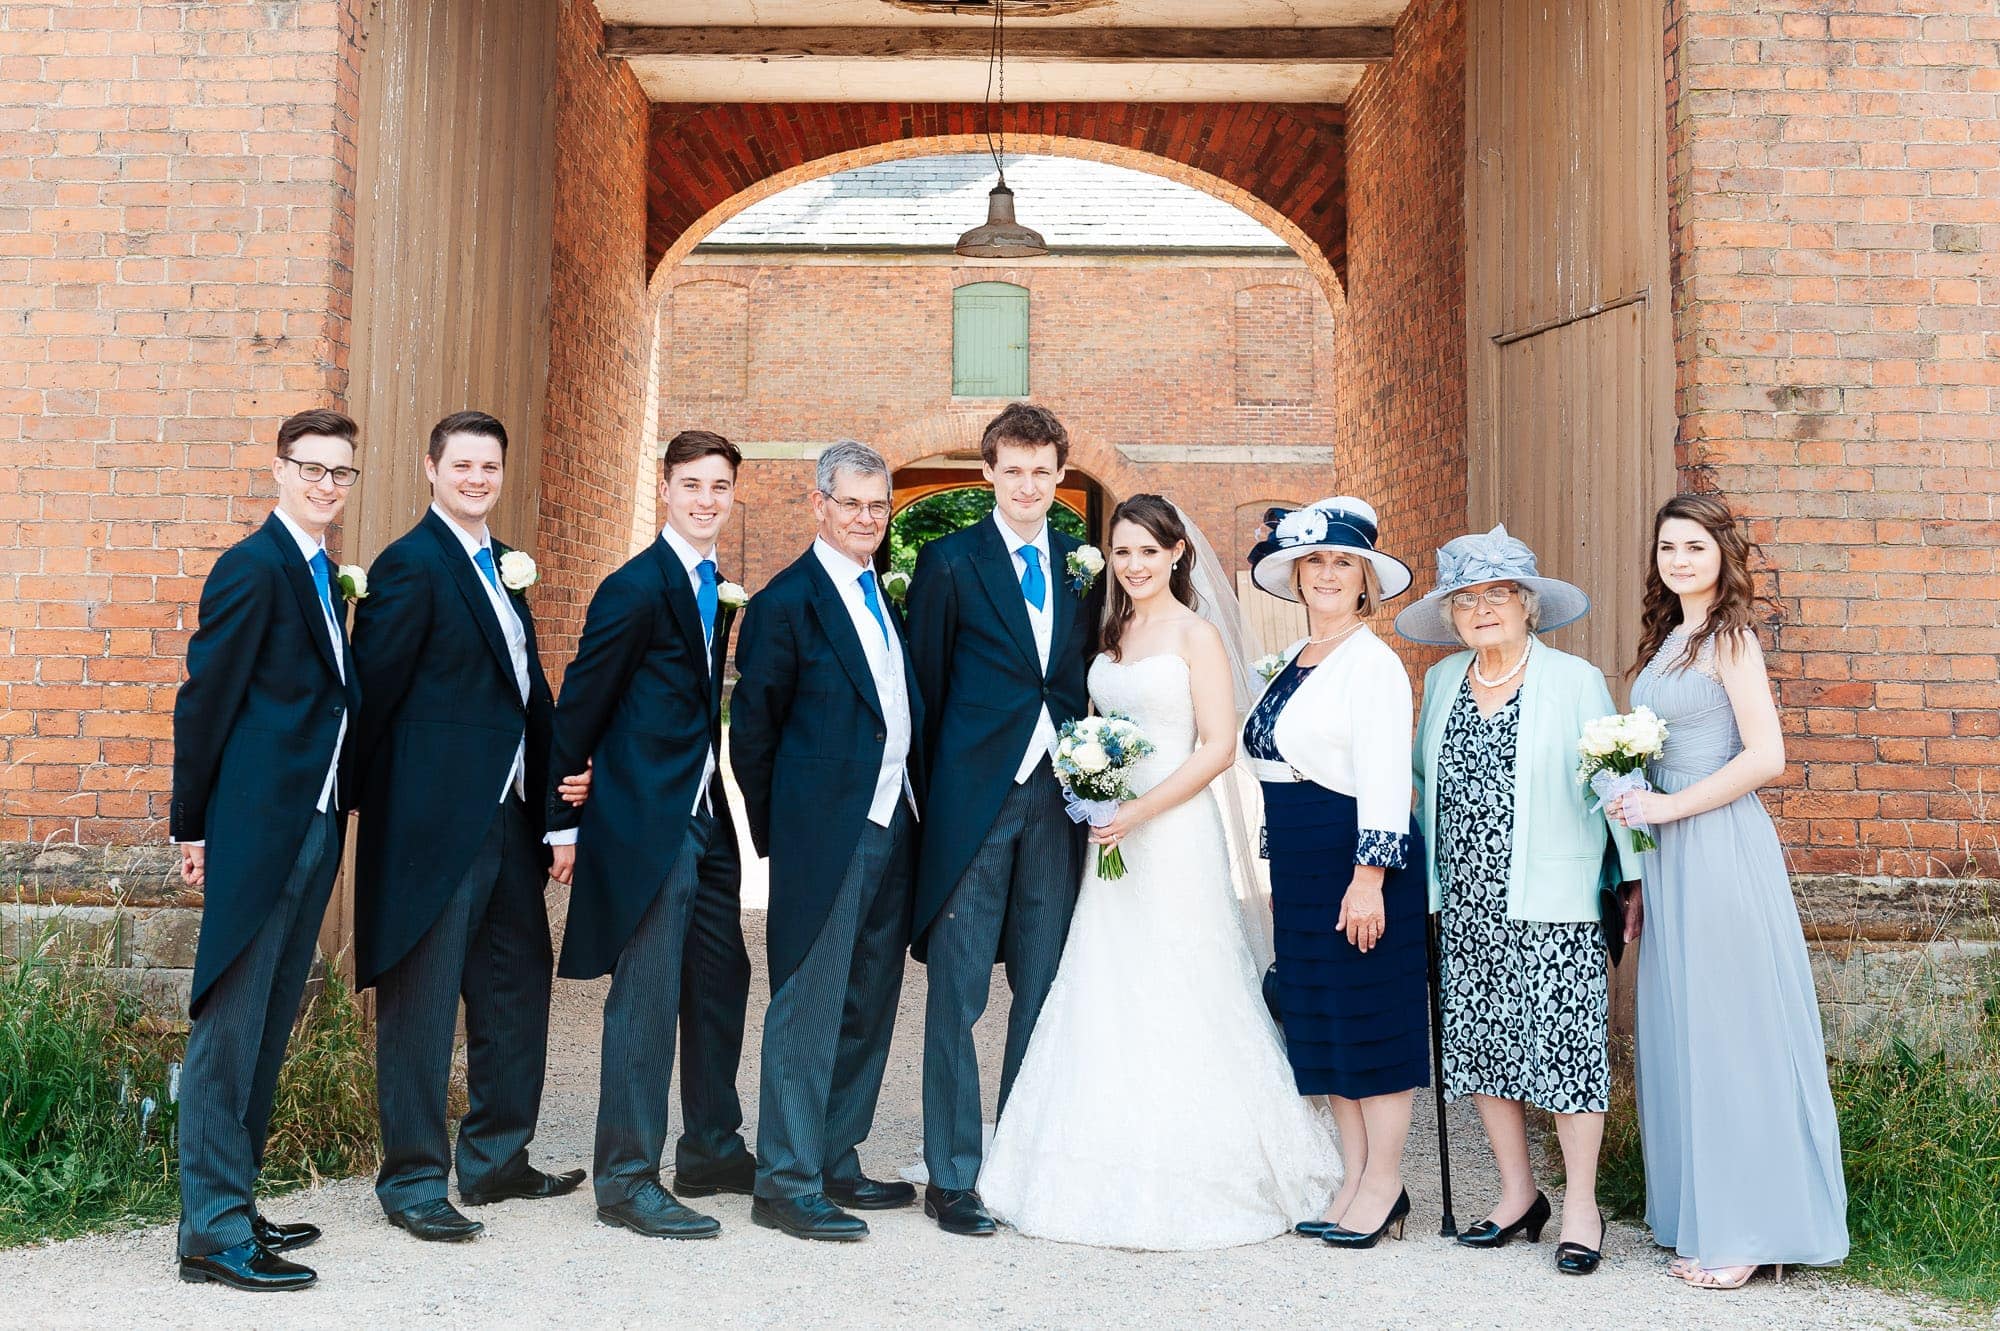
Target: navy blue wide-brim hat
[1340,523]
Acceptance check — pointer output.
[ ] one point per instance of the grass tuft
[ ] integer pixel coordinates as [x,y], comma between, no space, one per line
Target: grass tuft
[87,1115]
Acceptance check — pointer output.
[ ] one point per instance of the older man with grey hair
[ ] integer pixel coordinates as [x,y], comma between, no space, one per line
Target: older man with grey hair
[820,740]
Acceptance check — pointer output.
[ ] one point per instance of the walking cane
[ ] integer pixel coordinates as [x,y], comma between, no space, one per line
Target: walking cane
[1433,952]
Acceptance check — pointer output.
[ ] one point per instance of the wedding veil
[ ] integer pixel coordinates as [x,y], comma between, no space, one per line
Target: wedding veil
[1237,790]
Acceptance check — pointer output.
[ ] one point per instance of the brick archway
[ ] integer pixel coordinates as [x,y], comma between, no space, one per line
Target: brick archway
[1286,166]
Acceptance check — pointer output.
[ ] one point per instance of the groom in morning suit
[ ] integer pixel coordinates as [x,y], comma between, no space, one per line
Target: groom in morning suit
[257,806]
[652,860]
[450,867]
[1001,640]
[820,740]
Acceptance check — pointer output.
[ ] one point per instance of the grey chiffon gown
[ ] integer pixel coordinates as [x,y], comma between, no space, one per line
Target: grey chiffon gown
[1741,1145]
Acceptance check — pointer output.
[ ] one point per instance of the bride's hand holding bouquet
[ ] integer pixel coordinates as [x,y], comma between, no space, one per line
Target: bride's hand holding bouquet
[1093,760]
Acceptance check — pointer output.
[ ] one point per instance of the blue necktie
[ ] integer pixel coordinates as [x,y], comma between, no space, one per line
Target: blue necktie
[1033,585]
[322,569]
[873,602]
[483,557]
[704,598]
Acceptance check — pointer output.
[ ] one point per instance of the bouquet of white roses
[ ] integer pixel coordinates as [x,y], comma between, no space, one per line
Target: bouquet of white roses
[1615,750]
[1093,760]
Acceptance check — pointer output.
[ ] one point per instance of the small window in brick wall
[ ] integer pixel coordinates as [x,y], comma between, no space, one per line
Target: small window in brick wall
[989,340]
[1274,347]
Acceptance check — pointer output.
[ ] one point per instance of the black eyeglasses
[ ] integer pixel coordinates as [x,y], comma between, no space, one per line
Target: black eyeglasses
[312,473]
[854,508]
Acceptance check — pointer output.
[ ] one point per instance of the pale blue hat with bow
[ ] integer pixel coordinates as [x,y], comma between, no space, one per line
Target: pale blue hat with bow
[1494,556]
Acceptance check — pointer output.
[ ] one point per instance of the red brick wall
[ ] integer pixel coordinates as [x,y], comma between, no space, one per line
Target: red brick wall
[601,330]
[1130,352]
[1288,158]
[177,189]
[1834,183]
[1401,385]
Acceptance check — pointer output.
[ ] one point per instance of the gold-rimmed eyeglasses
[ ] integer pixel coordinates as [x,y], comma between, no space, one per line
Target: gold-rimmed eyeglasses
[1492,596]
[851,509]
[312,473]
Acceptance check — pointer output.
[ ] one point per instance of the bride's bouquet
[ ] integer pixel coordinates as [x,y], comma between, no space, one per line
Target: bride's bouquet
[1093,760]
[1615,750]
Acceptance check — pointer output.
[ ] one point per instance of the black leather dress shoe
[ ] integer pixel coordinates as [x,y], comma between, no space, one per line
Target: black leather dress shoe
[1486,1234]
[866,1194]
[274,1237]
[248,1265]
[738,1176]
[652,1211]
[437,1222]
[526,1183]
[958,1211]
[1574,1259]
[809,1217]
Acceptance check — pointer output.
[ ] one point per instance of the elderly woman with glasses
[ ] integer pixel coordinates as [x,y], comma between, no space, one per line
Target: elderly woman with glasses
[1514,851]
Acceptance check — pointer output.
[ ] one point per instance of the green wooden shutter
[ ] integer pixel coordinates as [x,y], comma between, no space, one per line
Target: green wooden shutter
[989,340]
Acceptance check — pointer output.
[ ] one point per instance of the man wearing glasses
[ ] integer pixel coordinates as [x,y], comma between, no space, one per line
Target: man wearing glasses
[257,804]
[820,728]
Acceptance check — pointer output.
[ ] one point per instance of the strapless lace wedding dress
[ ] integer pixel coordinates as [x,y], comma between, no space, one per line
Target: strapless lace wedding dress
[1154,1108]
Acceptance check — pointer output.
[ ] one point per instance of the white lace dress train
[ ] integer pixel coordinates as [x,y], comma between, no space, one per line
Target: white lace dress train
[1155,1108]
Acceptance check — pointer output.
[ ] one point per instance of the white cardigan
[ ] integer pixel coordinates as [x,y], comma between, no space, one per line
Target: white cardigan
[1348,728]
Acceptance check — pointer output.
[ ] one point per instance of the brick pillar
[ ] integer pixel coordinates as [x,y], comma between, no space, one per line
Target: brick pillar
[176,232]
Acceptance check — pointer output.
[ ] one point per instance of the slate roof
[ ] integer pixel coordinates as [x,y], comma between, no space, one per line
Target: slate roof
[925,203]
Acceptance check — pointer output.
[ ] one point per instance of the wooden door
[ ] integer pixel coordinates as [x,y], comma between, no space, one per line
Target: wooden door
[1570,415]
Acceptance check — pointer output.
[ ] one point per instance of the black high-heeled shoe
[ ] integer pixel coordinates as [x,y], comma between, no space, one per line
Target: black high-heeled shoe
[1573,1259]
[1312,1229]
[1342,1237]
[1486,1234]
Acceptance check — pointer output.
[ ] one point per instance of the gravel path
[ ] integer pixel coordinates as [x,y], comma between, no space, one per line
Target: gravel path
[550,1263]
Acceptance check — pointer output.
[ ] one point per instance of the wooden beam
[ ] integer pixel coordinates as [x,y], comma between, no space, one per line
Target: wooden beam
[1208,46]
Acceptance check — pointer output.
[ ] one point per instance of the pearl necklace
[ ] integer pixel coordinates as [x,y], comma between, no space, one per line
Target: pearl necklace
[1479,676]
[1332,637]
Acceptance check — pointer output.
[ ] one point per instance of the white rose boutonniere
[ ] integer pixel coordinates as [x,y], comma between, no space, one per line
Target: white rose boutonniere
[1268,666]
[1084,564]
[353,580]
[518,571]
[732,595]
[896,585]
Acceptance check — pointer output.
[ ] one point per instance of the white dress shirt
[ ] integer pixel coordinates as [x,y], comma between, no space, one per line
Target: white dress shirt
[511,628]
[689,558]
[1043,623]
[310,546]
[885,663]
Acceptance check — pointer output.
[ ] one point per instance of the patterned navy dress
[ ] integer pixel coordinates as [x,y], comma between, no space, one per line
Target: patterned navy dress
[1526,1002]
[1356,1023]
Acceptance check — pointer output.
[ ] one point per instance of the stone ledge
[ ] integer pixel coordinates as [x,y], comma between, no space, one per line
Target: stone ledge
[93,875]
[1843,908]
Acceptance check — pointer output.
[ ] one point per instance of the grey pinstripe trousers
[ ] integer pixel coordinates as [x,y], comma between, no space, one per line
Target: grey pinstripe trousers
[237,1046]
[490,945]
[1014,900]
[827,1030]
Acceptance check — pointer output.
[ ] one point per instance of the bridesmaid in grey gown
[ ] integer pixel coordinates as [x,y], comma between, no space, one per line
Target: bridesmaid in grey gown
[1741,1145]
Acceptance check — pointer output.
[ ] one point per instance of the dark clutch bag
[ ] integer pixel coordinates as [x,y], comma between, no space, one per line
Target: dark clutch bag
[1610,902]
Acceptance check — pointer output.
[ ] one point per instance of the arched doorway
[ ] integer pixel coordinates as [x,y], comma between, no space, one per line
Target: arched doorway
[939,495]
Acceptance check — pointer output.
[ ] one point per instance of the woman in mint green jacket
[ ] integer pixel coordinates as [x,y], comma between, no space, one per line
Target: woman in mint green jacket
[1513,852]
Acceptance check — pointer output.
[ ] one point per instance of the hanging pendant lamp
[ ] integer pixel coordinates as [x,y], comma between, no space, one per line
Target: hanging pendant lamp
[1002,237]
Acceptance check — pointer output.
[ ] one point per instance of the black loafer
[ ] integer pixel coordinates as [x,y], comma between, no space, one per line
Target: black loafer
[436,1222]
[809,1217]
[738,1176]
[527,1184]
[274,1237]
[1573,1259]
[248,1266]
[652,1211]
[866,1194]
[1486,1234]
[958,1211]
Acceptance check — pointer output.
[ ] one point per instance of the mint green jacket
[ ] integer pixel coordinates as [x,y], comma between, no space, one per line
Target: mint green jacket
[1558,841]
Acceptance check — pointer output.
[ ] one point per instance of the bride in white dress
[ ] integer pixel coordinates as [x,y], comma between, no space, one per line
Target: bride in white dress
[1155,1108]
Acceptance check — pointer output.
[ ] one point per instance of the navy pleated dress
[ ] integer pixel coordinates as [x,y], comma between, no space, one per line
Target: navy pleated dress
[1356,1024]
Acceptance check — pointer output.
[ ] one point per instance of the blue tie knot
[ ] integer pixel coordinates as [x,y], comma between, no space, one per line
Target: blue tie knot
[706,571]
[1034,587]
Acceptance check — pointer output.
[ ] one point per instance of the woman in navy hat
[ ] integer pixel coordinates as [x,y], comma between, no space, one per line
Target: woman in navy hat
[1330,742]
[1515,852]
